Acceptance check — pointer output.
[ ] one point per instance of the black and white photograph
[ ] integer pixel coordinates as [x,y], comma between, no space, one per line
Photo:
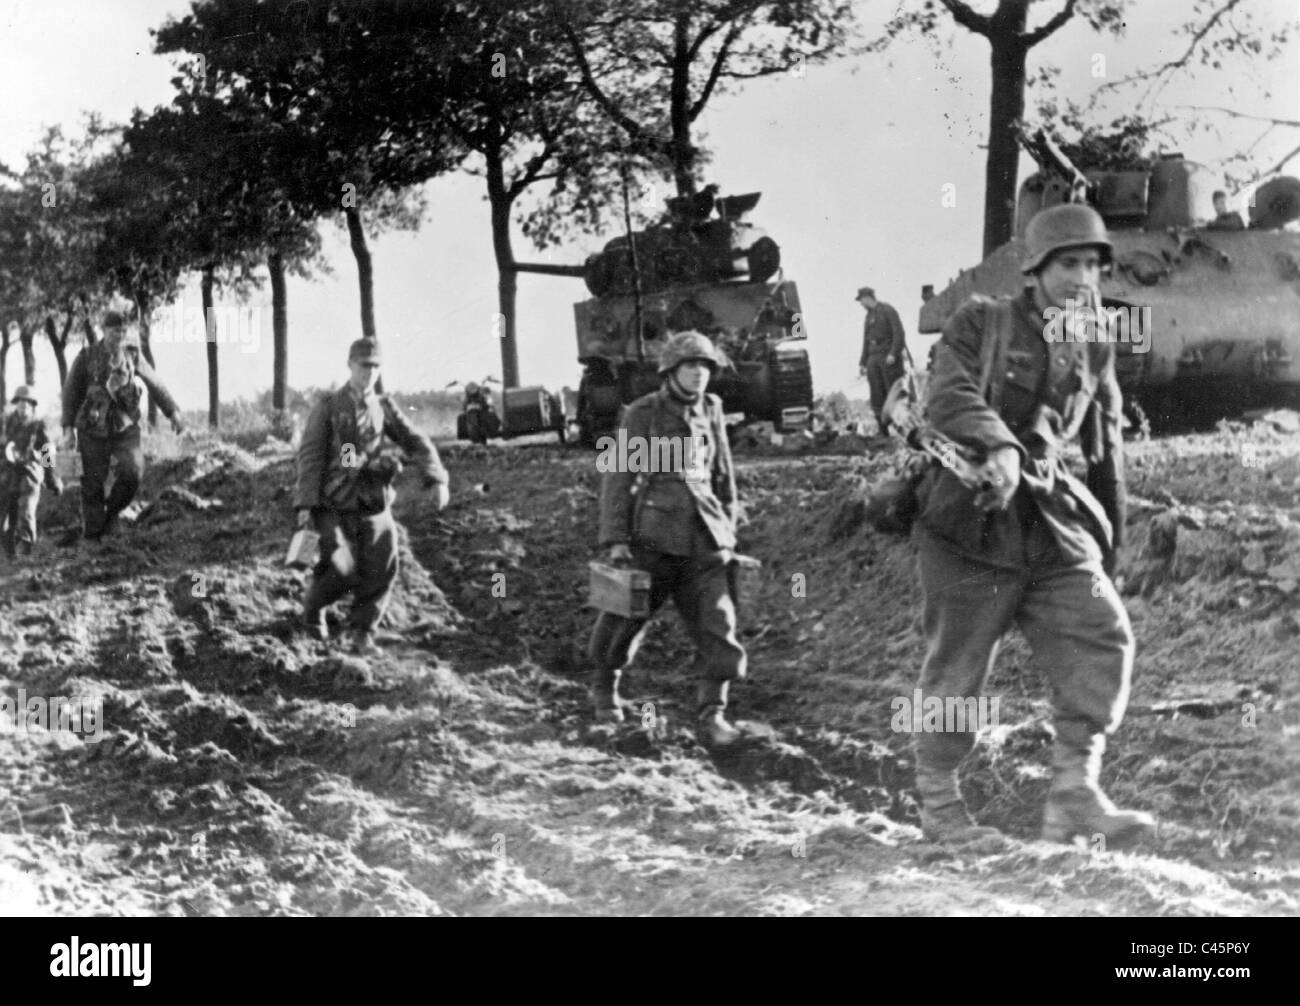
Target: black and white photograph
[650,458]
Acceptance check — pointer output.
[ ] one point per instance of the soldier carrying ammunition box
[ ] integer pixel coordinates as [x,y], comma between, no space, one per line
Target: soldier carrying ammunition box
[679,526]
[26,464]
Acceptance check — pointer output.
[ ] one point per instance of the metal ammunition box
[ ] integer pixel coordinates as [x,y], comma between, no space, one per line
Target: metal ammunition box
[619,590]
[302,549]
[744,574]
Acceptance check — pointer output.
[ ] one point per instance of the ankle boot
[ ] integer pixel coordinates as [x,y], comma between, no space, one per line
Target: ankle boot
[605,700]
[711,726]
[943,813]
[1076,804]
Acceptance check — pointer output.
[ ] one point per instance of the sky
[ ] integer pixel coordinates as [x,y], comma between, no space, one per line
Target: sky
[854,160]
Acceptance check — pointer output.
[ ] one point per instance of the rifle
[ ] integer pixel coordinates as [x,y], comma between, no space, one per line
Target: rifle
[964,462]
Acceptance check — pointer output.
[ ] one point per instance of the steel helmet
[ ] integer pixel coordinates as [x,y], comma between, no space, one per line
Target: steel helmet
[688,346]
[23,394]
[1069,225]
[471,388]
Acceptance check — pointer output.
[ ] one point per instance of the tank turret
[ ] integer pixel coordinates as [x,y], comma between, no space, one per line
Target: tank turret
[701,239]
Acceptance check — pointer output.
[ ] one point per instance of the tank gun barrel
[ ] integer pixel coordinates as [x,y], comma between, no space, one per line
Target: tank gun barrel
[1051,159]
[547,269]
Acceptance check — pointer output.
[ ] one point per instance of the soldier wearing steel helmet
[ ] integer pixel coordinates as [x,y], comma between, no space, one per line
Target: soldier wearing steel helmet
[27,463]
[102,399]
[1033,546]
[678,525]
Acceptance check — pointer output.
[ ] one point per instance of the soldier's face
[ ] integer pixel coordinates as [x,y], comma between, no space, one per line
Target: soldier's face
[364,374]
[1071,275]
[25,409]
[693,375]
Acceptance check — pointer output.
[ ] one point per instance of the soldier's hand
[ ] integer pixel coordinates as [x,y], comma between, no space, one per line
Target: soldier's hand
[70,438]
[304,518]
[178,425]
[443,495]
[889,360]
[862,371]
[619,554]
[999,478]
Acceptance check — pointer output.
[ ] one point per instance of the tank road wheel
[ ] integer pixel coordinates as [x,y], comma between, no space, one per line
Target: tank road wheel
[763,259]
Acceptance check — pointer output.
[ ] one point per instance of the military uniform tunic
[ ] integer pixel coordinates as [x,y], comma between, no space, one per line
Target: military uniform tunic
[342,483]
[28,441]
[1042,563]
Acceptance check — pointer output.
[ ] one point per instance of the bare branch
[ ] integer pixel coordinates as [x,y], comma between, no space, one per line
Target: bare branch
[628,124]
[1175,64]
[1241,115]
[967,18]
[1051,27]
[715,71]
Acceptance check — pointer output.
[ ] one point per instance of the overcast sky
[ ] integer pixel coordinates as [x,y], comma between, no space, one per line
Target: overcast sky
[852,159]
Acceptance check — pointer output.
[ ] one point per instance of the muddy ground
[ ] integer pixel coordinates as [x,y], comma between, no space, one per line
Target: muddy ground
[245,770]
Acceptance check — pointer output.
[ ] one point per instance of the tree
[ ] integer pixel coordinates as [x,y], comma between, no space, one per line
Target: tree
[328,83]
[46,244]
[652,66]
[189,155]
[1211,33]
[514,100]
[1006,29]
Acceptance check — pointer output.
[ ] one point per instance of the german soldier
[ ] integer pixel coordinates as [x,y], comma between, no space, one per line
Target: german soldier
[101,415]
[679,526]
[1033,545]
[345,490]
[27,463]
[883,347]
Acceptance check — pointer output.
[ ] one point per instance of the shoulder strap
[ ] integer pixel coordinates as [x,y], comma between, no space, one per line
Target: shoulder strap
[998,319]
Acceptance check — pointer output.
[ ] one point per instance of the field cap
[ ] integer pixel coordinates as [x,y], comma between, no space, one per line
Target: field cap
[364,351]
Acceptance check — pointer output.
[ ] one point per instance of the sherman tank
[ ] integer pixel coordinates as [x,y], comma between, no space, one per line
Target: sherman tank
[706,268]
[1223,327]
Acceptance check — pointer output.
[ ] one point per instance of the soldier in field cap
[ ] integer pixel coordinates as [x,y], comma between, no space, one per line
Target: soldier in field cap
[26,464]
[345,489]
[882,347]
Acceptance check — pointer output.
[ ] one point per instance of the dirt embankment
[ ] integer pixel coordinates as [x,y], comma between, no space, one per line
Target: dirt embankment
[246,770]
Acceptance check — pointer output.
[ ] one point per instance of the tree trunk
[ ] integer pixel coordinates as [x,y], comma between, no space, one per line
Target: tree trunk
[365,272]
[87,323]
[679,112]
[144,310]
[1006,107]
[57,344]
[507,277]
[280,333]
[4,356]
[25,337]
[210,328]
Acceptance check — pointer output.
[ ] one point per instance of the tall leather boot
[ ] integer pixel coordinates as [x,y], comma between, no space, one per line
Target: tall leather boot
[313,612]
[1076,804]
[605,699]
[711,726]
[944,817]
